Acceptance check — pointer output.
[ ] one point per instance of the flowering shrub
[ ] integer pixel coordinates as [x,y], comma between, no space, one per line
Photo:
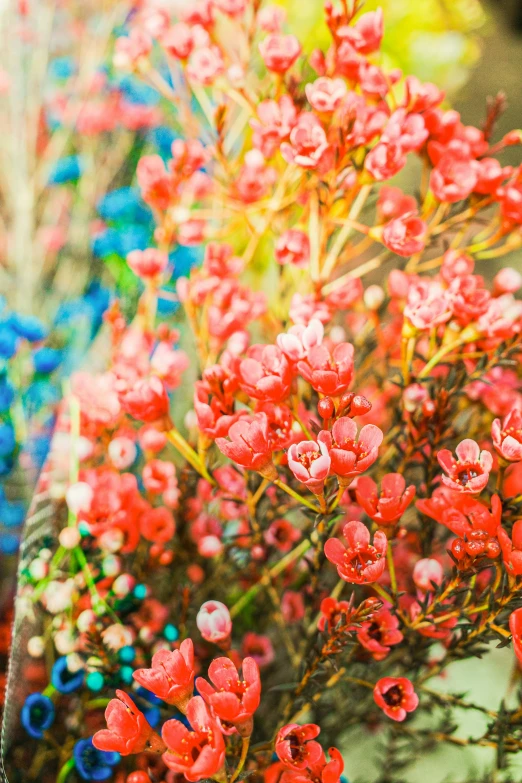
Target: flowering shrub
[335,520]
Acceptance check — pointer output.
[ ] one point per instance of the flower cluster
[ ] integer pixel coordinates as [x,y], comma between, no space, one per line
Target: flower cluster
[332,517]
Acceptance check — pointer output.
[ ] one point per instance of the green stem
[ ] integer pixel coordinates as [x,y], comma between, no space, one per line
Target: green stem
[391,568]
[296,496]
[244,753]
[184,448]
[280,566]
[383,593]
[65,771]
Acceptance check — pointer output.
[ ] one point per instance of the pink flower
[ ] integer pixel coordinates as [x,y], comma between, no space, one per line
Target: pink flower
[154,181]
[455,264]
[470,471]
[232,700]
[406,129]
[385,160]
[295,745]
[265,374]
[249,445]
[258,647]
[171,677]
[427,305]
[454,177]
[507,437]
[214,623]
[361,562]
[379,634]
[507,281]
[366,34]
[468,298]
[147,264]
[308,146]
[328,373]
[349,456]
[310,463]
[275,121]
[282,535]
[511,200]
[178,40]
[157,525]
[205,64]
[198,753]
[293,247]
[396,697]
[279,52]
[388,507]
[128,731]
[393,203]
[426,573]
[147,400]
[405,235]
[129,50]
[325,94]
[490,175]
[299,339]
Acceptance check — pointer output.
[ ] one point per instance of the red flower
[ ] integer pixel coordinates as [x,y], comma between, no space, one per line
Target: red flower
[296,747]
[279,52]
[265,374]
[310,463]
[388,507]
[392,203]
[249,445]
[171,677]
[158,476]
[332,612]
[405,235]
[512,547]
[454,176]
[155,183]
[328,374]
[470,471]
[157,525]
[380,633]
[127,729]
[147,400]
[395,696]
[461,513]
[349,456]
[149,263]
[282,535]
[293,247]
[199,753]
[507,437]
[468,298]
[361,563]
[515,626]
[233,700]
[308,146]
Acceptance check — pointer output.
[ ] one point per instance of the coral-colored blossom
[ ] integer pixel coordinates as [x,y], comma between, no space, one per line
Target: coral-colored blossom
[361,562]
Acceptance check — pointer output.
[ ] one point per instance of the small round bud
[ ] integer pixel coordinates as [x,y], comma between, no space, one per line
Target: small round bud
[36,646]
[38,569]
[85,620]
[326,408]
[507,281]
[122,585]
[373,297]
[111,565]
[79,497]
[69,537]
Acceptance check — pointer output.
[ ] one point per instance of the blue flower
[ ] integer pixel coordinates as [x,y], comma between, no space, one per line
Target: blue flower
[7,394]
[37,714]
[124,204]
[91,763]
[64,680]
[9,543]
[8,342]
[46,359]
[62,67]
[11,514]
[27,326]
[137,92]
[65,169]
[162,137]
[7,440]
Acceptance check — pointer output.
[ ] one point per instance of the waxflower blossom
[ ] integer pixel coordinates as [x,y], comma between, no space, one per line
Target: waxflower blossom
[232,700]
[396,697]
[325,94]
[350,455]
[171,677]
[296,747]
[507,436]
[379,634]
[147,401]
[405,235]
[147,264]
[198,752]
[249,445]
[328,373]
[308,145]
[511,547]
[214,623]
[293,247]
[470,471]
[310,463]
[361,562]
[387,507]
[127,729]
[279,52]
[265,374]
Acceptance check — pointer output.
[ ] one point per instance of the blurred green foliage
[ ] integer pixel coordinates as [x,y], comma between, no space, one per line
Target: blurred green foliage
[437,40]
